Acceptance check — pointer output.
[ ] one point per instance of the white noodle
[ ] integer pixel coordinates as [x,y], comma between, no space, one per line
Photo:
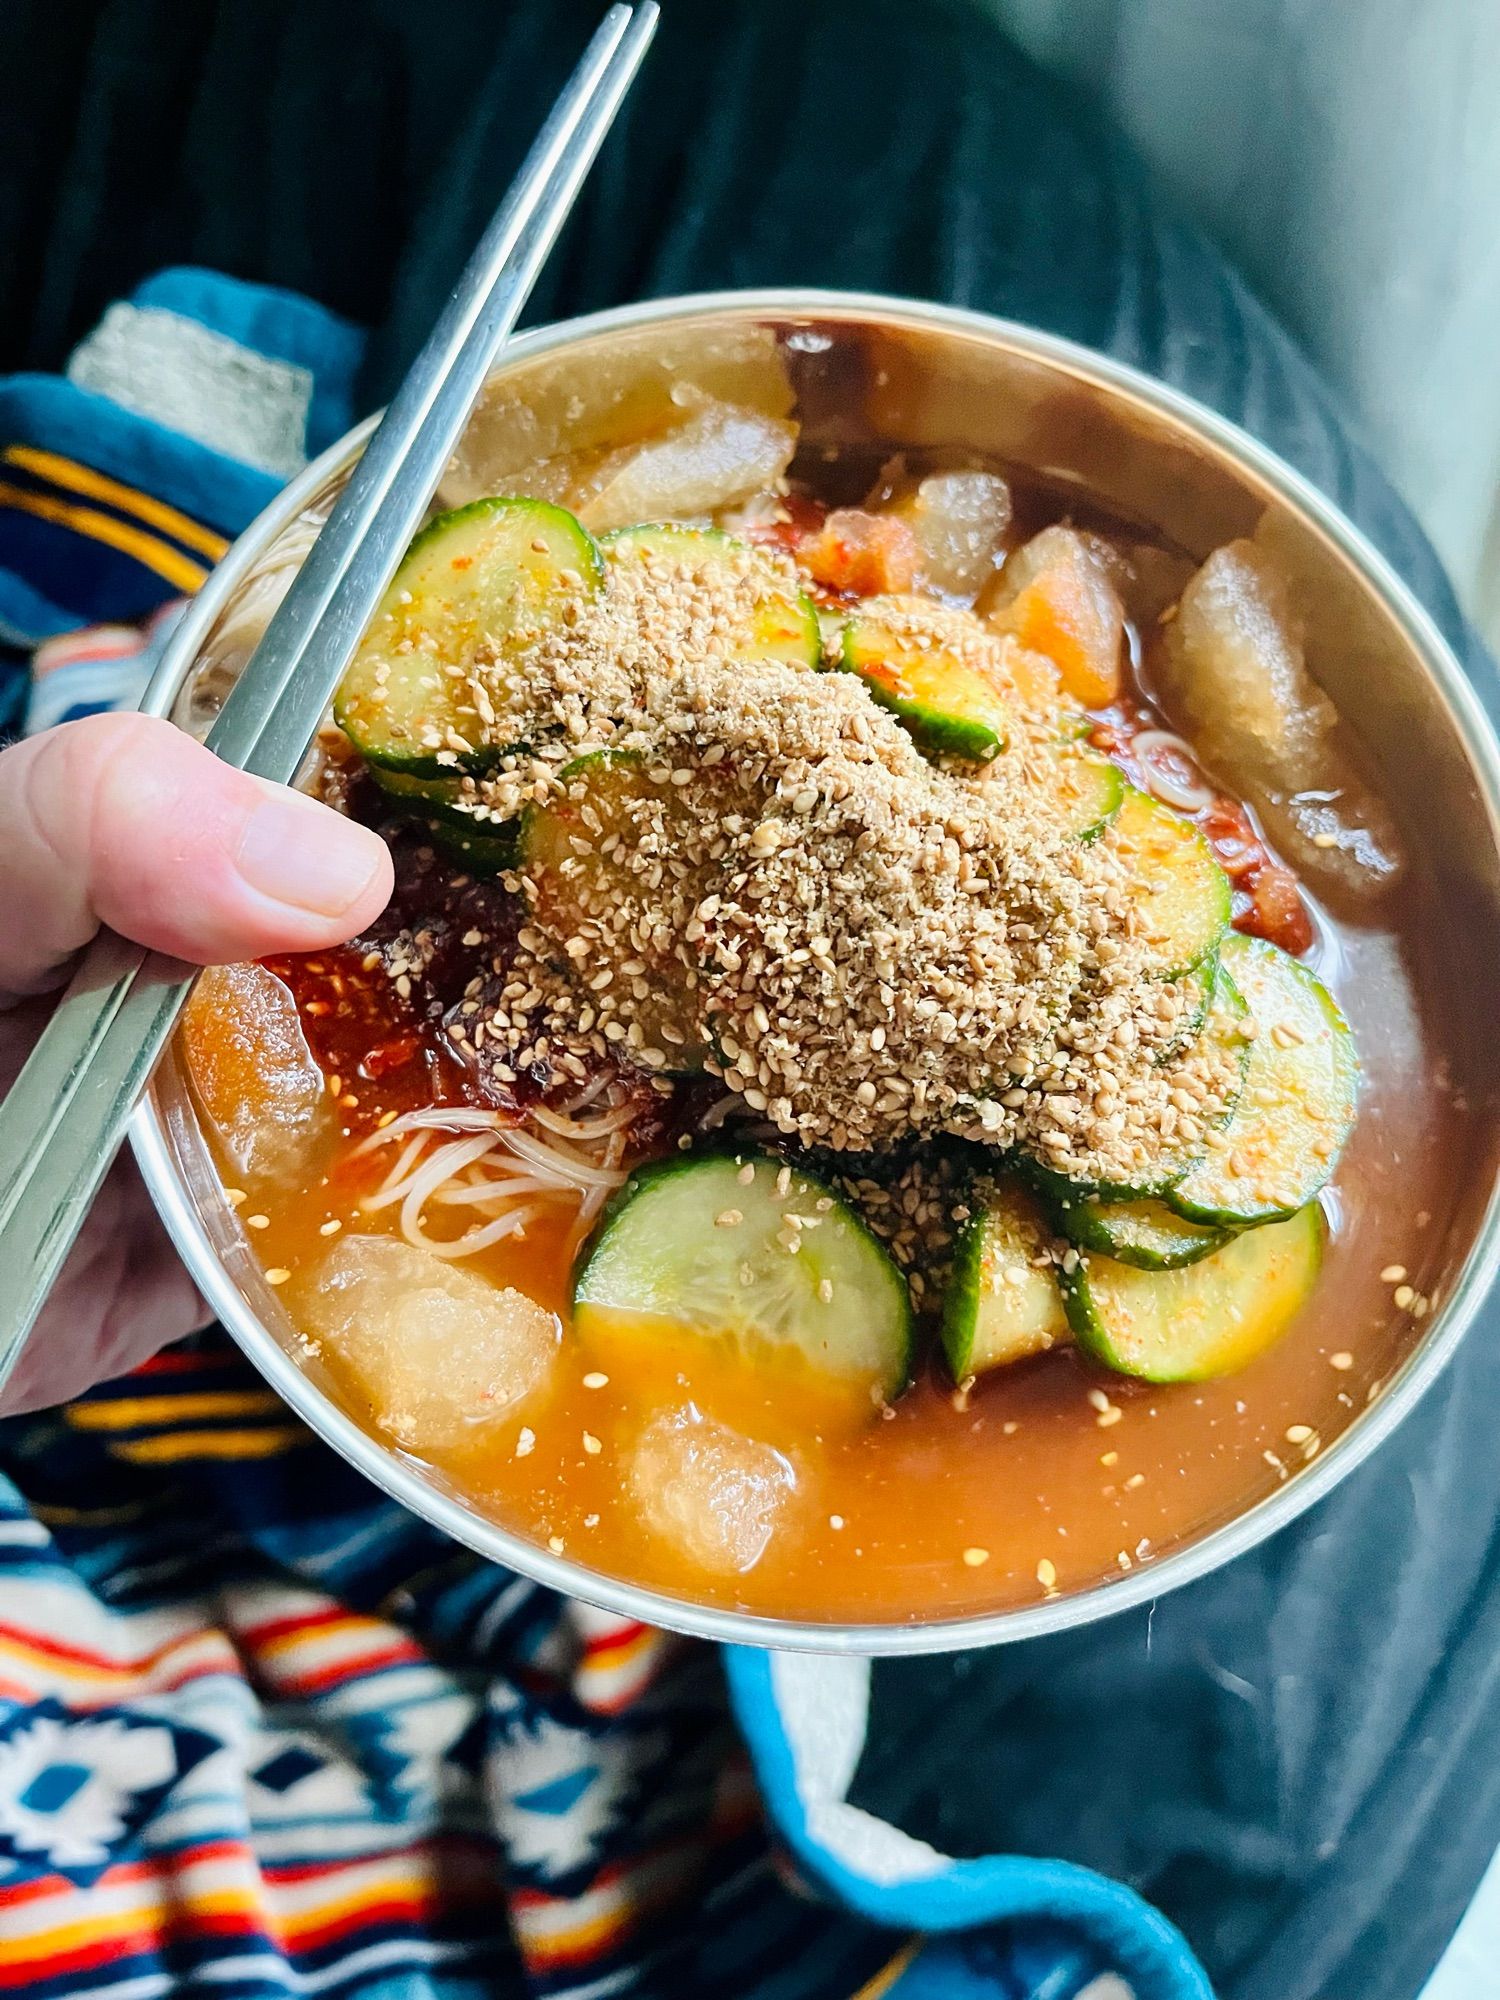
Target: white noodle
[497,1165]
[1154,744]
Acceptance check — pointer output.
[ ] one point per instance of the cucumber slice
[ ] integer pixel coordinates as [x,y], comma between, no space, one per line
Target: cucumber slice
[1180,890]
[1198,992]
[487,577]
[429,798]
[1228,1023]
[696,1245]
[1206,1319]
[1088,791]
[574,887]
[784,625]
[482,853]
[1297,1105]
[1000,1306]
[1146,1234]
[947,704]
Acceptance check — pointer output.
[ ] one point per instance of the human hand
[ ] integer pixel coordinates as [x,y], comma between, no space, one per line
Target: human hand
[123,820]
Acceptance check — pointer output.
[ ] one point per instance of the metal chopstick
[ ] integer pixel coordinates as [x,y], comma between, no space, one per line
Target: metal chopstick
[65,1116]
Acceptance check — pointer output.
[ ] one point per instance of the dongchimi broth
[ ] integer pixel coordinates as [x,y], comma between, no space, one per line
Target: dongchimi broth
[379,1108]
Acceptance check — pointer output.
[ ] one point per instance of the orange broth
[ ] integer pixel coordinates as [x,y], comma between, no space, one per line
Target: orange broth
[1042,1477]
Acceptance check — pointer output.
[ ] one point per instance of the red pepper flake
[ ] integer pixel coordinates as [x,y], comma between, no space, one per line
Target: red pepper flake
[386,1056]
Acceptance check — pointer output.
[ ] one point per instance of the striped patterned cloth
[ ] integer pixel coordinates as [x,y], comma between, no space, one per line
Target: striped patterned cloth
[262,1729]
[264,1733]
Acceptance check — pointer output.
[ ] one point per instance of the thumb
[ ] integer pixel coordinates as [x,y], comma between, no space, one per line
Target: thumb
[124,820]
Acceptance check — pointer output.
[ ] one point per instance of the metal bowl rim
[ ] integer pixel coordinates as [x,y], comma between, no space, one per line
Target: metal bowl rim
[1143,1584]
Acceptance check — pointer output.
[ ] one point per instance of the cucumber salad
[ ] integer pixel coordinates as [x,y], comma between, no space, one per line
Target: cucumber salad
[821,984]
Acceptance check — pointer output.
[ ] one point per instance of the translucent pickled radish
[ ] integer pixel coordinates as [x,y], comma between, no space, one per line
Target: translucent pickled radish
[554,419]
[959,519]
[437,1351]
[714,1494]
[253,1073]
[1234,672]
[720,456]
[1233,669]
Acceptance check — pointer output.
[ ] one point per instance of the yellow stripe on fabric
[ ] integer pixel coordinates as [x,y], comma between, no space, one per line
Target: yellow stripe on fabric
[179,570]
[98,486]
[135,1412]
[174,1445]
[250,1903]
[886,1977]
[95,1517]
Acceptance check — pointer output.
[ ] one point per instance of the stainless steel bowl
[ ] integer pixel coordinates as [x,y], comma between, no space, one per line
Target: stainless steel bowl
[935,377]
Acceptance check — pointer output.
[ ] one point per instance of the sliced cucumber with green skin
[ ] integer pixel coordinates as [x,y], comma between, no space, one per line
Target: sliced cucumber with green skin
[1088,791]
[784,625]
[1146,1234]
[1179,889]
[706,1244]
[1297,1105]
[483,853]
[429,798]
[1001,1305]
[478,581]
[948,705]
[574,887]
[1204,1319]
[1227,1023]
[1198,992]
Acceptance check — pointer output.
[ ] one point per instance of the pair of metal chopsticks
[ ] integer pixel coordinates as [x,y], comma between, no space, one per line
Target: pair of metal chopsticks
[66,1114]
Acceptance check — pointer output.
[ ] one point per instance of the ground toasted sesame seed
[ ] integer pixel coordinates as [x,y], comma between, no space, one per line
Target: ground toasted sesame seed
[862,943]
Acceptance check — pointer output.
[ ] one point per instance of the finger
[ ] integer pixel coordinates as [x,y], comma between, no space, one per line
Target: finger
[124,820]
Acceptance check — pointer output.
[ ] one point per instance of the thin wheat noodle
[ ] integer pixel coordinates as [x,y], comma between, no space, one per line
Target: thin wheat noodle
[580,1172]
[1184,794]
[473,1192]
[512,1223]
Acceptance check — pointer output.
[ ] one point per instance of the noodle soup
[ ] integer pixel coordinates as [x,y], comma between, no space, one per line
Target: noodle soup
[880,1091]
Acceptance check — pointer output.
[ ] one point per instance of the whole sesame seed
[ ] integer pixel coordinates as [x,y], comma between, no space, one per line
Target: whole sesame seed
[1046,1574]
